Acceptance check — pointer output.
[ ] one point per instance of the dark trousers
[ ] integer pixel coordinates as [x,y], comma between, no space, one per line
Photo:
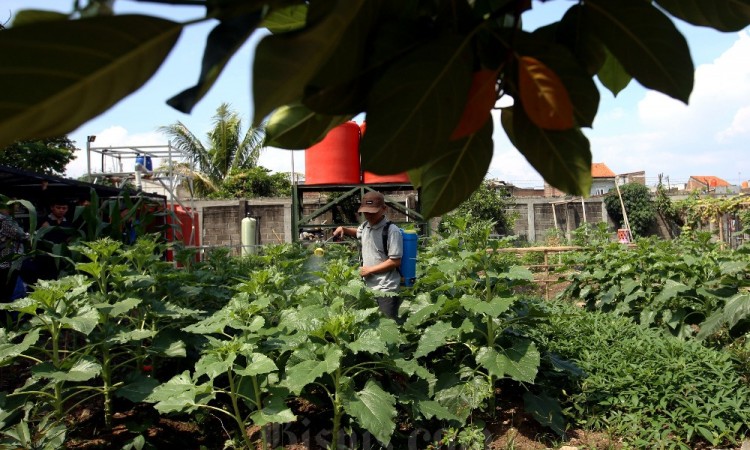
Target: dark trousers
[389,306]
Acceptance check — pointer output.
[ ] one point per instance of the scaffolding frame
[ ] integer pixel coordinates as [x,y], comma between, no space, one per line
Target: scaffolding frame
[168,179]
[300,221]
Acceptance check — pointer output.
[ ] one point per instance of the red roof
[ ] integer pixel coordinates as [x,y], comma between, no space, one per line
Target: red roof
[600,170]
[710,180]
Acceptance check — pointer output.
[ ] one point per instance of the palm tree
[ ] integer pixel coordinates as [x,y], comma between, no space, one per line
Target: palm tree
[225,151]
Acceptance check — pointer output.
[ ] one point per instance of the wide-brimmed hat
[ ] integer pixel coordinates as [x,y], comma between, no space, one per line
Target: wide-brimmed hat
[372,202]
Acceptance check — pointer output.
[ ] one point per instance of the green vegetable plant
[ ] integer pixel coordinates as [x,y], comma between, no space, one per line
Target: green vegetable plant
[653,390]
[674,285]
[466,322]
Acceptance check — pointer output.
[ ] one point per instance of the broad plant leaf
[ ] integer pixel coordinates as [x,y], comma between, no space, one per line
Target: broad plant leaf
[414,106]
[448,180]
[492,308]
[9,350]
[612,75]
[563,158]
[433,337]
[214,364]
[479,103]
[671,290]
[722,15]
[374,409]
[295,126]
[259,364]
[431,408]
[52,96]
[543,95]
[300,375]
[464,397]
[283,20]
[180,393]
[139,389]
[83,369]
[274,410]
[580,87]
[119,308]
[222,43]
[735,310]
[85,321]
[339,87]
[30,16]
[645,42]
[546,410]
[519,362]
[577,36]
[285,63]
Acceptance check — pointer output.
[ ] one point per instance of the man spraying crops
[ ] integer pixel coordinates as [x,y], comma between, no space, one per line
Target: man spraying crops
[379,267]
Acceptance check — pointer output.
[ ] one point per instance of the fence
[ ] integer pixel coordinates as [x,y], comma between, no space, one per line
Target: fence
[546,266]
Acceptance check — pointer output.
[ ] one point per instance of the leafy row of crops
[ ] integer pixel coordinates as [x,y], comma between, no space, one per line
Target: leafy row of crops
[260,341]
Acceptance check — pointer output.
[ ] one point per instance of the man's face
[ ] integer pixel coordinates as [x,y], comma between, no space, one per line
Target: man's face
[59,211]
[373,218]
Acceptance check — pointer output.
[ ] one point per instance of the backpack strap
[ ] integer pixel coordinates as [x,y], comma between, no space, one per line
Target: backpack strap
[386,229]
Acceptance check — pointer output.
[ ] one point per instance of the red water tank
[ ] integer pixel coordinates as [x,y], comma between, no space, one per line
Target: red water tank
[373,178]
[335,159]
[183,226]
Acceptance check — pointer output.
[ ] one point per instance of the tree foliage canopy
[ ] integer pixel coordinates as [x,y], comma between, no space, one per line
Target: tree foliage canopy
[426,73]
[639,205]
[49,156]
[227,150]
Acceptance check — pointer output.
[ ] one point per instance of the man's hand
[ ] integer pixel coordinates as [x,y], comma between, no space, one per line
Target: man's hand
[365,272]
[338,232]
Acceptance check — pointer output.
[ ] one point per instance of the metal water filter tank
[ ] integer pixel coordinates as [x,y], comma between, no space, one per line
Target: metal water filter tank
[248,236]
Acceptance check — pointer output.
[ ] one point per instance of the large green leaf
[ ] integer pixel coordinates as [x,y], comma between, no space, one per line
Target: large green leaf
[9,350]
[222,43]
[578,82]
[735,310]
[339,86]
[374,409]
[63,73]
[284,63]
[519,362]
[274,410]
[180,394]
[138,389]
[81,370]
[295,126]
[433,337]
[723,15]
[455,172]
[563,158]
[300,375]
[258,364]
[214,364]
[285,19]
[671,290]
[413,107]
[85,321]
[465,397]
[492,308]
[29,16]
[546,410]
[580,40]
[645,42]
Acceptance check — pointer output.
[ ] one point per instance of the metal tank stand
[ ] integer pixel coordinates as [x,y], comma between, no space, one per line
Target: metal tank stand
[302,221]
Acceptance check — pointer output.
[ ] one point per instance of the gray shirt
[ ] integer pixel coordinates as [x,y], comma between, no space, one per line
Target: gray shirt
[373,253]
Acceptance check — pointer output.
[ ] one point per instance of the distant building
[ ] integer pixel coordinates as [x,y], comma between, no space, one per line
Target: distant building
[707,183]
[602,181]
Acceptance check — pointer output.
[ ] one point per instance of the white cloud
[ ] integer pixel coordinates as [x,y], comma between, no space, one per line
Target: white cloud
[740,126]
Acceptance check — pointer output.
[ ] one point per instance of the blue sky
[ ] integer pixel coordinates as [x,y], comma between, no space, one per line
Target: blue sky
[637,130]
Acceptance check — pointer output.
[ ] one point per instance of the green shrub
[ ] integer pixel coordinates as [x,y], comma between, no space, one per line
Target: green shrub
[654,390]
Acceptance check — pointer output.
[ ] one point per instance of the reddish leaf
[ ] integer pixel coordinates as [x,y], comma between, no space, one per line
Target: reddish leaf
[543,96]
[479,103]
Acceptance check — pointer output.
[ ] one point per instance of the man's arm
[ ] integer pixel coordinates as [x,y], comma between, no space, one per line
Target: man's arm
[345,231]
[385,266]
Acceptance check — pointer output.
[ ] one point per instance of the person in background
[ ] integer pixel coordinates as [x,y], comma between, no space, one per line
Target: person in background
[379,270]
[61,232]
[12,237]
